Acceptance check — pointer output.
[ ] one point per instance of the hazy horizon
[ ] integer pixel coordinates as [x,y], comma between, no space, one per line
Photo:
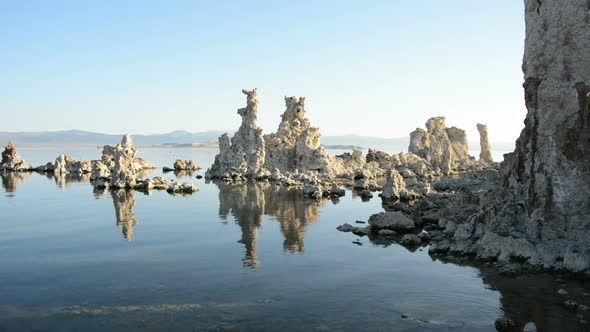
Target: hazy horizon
[147,67]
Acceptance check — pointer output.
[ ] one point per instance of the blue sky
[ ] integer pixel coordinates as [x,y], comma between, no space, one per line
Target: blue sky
[378,68]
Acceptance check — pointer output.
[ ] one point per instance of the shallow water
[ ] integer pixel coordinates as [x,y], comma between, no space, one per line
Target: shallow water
[233,257]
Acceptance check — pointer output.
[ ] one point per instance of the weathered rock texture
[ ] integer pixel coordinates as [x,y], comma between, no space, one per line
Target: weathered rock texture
[296,144]
[11,160]
[119,167]
[186,165]
[64,164]
[124,171]
[540,215]
[445,148]
[293,149]
[244,154]
[485,154]
[544,216]
[395,186]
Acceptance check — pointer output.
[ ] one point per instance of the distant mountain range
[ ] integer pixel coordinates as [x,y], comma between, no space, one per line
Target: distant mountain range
[80,137]
[185,138]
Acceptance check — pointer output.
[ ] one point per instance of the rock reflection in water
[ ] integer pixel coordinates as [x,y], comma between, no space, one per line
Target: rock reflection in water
[184,174]
[11,180]
[527,296]
[249,202]
[124,201]
[63,180]
[534,297]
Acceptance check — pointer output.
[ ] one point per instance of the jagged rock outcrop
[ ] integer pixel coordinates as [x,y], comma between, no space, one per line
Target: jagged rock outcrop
[395,186]
[543,216]
[11,160]
[383,159]
[485,154]
[99,171]
[124,171]
[109,154]
[296,144]
[60,165]
[354,160]
[540,215]
[119,167]
[245,153]
[294,151]
[445,148]
[64,164]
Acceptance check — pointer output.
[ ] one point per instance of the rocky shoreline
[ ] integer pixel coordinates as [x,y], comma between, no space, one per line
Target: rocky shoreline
[118,169]
[532,209]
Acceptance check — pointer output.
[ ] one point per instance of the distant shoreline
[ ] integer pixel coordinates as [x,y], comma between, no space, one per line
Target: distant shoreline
[206,145]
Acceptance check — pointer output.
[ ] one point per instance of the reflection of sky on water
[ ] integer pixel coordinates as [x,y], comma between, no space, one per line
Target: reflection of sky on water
[256,256]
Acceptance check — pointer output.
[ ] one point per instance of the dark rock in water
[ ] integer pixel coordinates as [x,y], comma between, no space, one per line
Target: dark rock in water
[360,222]
[345,228]
[410,240]
[509,268]
[387,232]
[366,194]
[361,230]
[336,191]
[505,325]
[395,221]
[167,169]
[424,236]
[199,177]
[570,304]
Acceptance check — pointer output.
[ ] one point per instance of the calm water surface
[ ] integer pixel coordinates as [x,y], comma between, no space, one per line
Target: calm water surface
[248,257]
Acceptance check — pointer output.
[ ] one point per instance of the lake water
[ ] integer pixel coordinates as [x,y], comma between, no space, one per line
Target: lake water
[253,257]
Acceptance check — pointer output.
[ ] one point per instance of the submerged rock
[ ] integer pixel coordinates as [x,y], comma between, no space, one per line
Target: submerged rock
[410,240]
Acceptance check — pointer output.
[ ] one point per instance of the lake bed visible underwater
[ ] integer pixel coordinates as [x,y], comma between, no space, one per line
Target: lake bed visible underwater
[248,257]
